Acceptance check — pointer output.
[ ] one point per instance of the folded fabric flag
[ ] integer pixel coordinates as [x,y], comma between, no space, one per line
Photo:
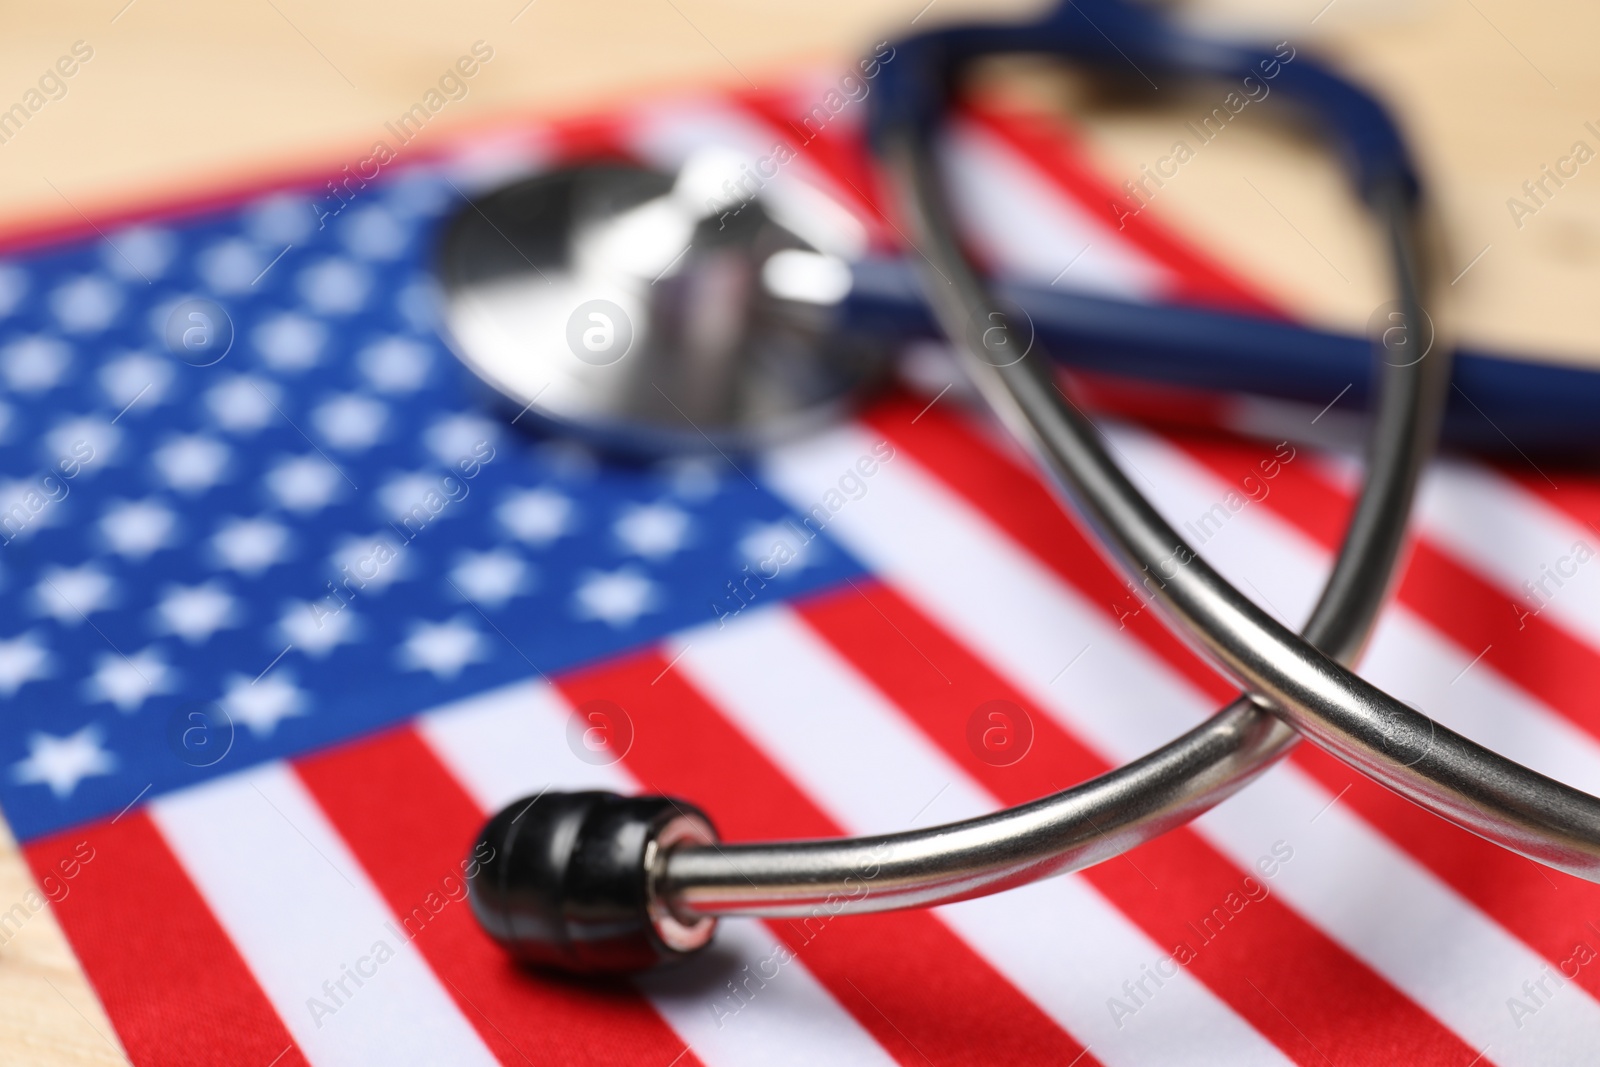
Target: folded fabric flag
[280,630]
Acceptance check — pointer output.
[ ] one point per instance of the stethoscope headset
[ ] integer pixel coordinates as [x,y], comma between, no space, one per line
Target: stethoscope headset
[598,882]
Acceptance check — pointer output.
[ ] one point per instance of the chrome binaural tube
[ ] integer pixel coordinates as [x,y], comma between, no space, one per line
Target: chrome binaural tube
[1105,816]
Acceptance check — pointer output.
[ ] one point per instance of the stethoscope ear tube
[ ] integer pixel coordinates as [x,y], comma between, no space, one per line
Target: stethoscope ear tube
[1410,753]
[1547,409]
[913,93]
[562,880]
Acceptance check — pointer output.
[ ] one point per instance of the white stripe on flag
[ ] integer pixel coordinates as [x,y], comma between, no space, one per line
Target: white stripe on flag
[310,925]
[1345,878]
[855,754]
[791,1020]
[1510,536]
[511,743]
[1408,657]
[667,135]
[1019,219]
[1412,660]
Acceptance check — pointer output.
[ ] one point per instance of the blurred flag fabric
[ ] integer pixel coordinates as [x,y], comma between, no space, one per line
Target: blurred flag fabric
[256,707]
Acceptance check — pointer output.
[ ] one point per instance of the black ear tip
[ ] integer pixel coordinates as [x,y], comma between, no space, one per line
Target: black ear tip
[561,880]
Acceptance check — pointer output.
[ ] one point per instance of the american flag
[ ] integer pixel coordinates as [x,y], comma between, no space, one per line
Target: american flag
[247,781]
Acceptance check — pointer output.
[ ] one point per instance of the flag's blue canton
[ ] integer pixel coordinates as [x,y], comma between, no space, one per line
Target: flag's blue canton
[209,508]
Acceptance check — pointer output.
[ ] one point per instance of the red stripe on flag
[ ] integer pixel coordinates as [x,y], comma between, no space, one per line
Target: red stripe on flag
[1531,650]
[588,138]
[1221,922]
[411,826]
[1554,913]
[910,982]
[1545,909]
[174,985]
[1570,489]
[1011,497]
[837,149]
[1051,146]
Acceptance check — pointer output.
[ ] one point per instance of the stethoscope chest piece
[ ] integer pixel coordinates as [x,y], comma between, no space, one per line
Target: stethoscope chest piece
[631,309]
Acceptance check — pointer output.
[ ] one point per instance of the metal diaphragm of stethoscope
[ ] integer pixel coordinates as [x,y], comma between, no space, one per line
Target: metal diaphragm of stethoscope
[620,305]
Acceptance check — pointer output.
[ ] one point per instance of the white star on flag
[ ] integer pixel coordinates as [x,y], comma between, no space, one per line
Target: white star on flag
[653,531]
[137,528]
[34,364]
[280,219]
[395,364]
[136,376]
[370,564]
[139,252]
[489,579]
[23,659]
[91,441]
[290,343]
[70,594]
[244,404]
[86,304]
[128,681]
[458,437]
[25,509]
[250,546]
[350,422]
[442,648]
[303,484]
[316,628]
[692,477]
[535,516]
[405,492]
[195,612]
[191,463]
[617,597]
[374,233]
[63,762]
[230,266]
[776,549]
[263,703]
[335,286]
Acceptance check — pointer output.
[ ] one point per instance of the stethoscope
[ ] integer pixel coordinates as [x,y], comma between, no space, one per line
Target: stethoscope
[650,313]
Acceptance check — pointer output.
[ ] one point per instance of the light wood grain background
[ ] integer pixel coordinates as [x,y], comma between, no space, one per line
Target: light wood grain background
[183,95]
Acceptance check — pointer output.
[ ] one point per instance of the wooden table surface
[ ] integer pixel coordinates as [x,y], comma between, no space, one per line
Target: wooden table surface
[182,95]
